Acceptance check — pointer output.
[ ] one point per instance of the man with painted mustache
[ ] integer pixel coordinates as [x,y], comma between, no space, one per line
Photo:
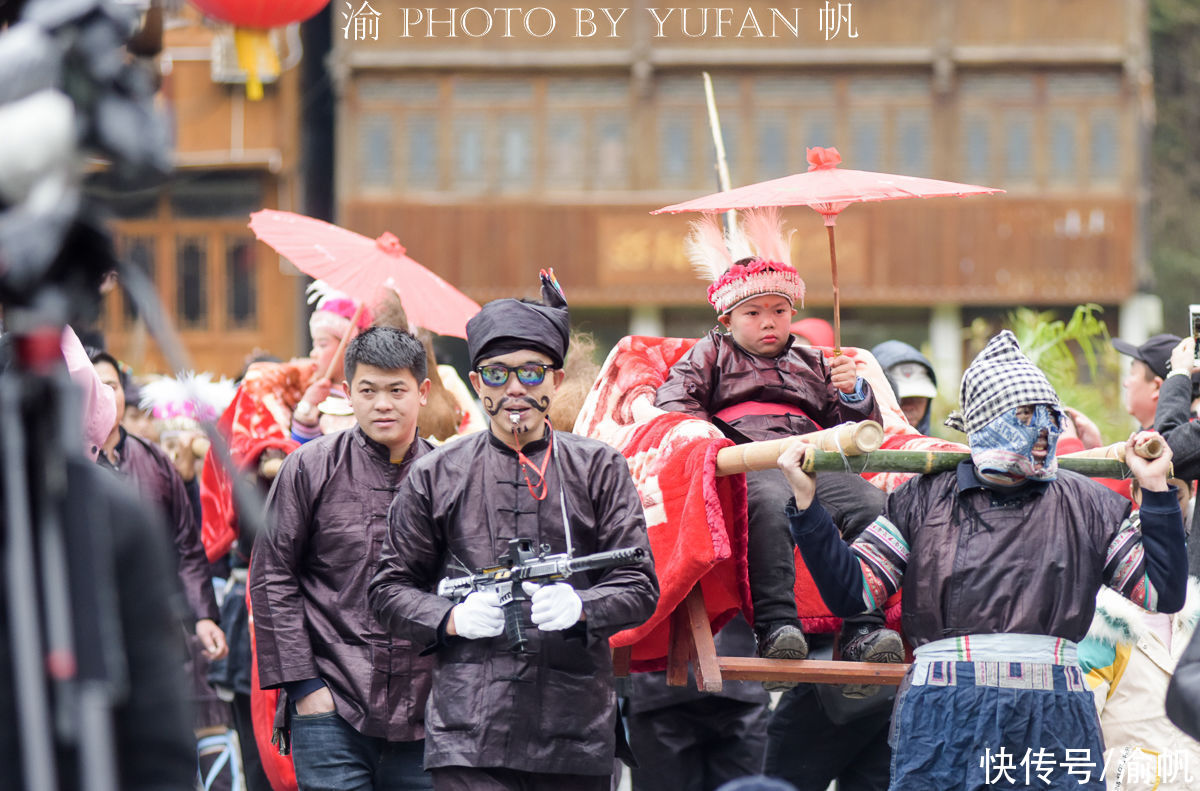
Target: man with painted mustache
[544,717]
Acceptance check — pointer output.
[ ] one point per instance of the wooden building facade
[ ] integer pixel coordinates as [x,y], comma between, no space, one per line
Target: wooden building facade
[227,294]
[493,147]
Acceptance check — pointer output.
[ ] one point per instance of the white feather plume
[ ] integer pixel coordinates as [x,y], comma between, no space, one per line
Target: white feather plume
[318,291]
[712,250]
[737,243]
[764,229]
[706,249]
[191,394]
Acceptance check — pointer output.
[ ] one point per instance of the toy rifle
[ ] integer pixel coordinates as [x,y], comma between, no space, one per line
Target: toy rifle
[520,564]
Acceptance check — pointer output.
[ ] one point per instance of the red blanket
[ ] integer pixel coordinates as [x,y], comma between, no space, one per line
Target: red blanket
[696,520]
[258,418]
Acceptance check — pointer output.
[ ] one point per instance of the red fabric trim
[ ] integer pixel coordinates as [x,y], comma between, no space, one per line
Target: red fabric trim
[280,771]
[732,413]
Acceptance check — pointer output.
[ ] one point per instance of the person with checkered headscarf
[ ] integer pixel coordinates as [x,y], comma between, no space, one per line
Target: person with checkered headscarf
[1000,561]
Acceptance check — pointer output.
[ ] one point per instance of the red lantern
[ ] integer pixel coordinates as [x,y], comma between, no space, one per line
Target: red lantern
[261,14]
[251,20]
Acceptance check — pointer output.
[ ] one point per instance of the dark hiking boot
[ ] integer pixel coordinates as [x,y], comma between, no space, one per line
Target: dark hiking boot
[869,643]
[782,641]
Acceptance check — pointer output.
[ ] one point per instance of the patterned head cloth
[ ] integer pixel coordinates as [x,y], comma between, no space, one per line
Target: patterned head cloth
[1005,446]
[1000,378]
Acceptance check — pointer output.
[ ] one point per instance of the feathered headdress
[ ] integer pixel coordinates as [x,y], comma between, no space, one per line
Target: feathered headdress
[334,309]
[179,404]
[759,237]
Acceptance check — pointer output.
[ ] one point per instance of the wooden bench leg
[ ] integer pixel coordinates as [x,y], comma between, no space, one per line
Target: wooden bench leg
[692,642]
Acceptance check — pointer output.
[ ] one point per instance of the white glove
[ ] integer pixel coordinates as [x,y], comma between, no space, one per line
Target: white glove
[555,607]
[478,616]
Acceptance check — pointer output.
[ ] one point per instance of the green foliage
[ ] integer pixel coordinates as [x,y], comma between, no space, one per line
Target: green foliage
[1047,340]
[1057,347]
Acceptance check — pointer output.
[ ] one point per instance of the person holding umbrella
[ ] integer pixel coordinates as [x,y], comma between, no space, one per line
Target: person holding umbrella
[755,383]
[324,407]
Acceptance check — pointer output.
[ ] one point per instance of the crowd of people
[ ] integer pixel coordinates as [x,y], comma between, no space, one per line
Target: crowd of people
[1044,613]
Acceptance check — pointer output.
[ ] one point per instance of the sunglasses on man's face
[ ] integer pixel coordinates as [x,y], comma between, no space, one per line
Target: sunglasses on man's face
[496,375]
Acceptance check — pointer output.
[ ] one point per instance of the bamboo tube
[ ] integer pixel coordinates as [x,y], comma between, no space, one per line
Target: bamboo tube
[851,439]
[1148,447]
[930,461]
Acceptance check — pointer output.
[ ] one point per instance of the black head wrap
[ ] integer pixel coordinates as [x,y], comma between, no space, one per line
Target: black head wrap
[509,325]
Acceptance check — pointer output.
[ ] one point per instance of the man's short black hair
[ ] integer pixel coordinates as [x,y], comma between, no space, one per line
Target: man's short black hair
[387,348]
[100,356]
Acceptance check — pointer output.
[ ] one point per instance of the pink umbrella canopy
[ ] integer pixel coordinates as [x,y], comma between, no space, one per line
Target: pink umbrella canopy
[364,268]
[828,190]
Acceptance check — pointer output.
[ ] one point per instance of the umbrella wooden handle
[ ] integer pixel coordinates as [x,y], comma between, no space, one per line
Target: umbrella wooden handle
[849,439]
[345,339]
[837,291]
[1146,447]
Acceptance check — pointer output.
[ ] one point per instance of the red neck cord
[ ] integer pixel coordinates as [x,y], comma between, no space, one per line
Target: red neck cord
[527,465]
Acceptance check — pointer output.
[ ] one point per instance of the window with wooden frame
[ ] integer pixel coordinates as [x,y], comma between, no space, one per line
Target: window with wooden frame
[1032,132]
[890,123]
[478,135]
[193,244]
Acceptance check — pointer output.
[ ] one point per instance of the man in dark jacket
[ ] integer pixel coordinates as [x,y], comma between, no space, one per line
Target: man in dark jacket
[1147,373]
[357,694]
[543,718]
[156,479]
[1158,393]
[1175,419]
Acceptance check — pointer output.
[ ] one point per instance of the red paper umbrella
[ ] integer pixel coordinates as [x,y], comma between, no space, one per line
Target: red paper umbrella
[363,268]
[827,189]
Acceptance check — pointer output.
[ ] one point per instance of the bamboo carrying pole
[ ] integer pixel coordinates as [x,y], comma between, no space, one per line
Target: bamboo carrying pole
[929,461]
[1150,447]
[834,448]
[850,439]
